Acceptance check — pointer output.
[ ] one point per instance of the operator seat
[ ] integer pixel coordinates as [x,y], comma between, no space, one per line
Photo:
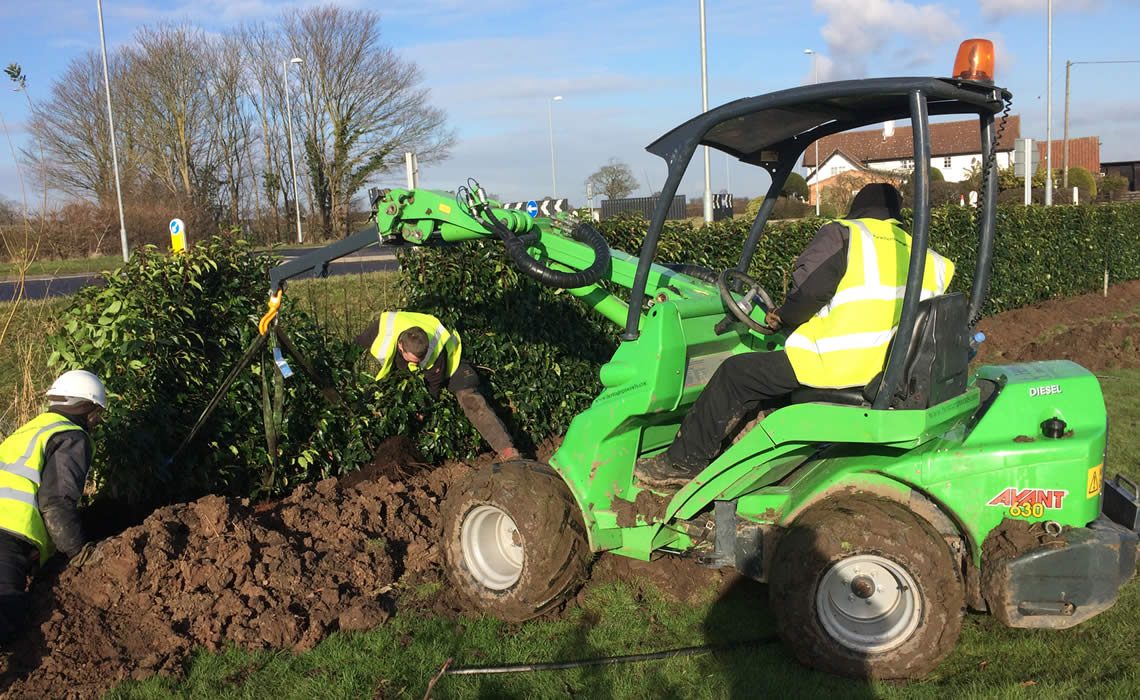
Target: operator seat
[936,366]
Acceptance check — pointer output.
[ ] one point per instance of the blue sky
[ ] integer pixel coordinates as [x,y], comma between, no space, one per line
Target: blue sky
[629,70]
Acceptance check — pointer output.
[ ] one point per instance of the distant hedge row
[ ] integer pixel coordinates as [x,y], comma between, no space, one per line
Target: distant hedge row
[1039,253]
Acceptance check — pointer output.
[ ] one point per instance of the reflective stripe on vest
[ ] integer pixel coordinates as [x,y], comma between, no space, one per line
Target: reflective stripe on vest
[845,343]
[393,323]
[21,465]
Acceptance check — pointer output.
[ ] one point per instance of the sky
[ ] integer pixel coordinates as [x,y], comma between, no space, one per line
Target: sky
[630,70]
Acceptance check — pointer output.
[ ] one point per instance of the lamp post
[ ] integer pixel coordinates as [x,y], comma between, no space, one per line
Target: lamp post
[111,128]
[289,130]
[1065,157]
[550,128]
[1049,110]
[708,211]
[815,80]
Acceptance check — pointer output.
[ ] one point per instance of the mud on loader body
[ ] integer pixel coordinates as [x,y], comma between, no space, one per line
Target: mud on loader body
[875,514]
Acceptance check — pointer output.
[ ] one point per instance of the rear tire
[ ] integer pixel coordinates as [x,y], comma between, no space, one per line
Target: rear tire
[513,540]
[863,587]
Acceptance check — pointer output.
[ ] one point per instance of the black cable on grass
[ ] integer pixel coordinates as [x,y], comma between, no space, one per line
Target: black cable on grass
[606,661]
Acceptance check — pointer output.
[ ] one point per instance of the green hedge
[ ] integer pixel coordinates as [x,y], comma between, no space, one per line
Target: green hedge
[165,331]
[1039,253]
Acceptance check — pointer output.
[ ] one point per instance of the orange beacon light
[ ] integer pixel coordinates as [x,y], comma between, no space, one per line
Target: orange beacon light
[975,61]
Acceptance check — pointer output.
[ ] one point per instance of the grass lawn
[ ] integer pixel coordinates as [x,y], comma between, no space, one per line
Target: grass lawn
[62,267]
[398,659]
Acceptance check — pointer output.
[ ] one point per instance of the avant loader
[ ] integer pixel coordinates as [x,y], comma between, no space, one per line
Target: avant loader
[876,514]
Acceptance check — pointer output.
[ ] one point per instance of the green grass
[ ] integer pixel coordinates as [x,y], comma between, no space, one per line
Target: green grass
[62,267]
[398,659]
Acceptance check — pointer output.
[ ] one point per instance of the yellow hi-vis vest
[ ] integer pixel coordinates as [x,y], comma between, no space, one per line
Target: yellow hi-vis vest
[393,323]
[21,467]
[845,343]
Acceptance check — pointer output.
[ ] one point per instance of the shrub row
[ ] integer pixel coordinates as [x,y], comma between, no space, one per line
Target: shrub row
[1039,252]
[164,332]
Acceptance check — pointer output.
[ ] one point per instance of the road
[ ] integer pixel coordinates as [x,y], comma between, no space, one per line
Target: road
[371,259]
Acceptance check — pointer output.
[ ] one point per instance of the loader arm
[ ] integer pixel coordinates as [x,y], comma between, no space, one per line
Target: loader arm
[556,252]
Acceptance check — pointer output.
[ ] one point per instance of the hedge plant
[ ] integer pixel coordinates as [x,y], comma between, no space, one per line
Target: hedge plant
[162,333]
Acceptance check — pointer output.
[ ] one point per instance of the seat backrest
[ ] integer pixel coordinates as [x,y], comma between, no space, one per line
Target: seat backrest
[937,358]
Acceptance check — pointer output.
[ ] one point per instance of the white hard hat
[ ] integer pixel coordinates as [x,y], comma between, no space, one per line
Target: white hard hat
[74,387]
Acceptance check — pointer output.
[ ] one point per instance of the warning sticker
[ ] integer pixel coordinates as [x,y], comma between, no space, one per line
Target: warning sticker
[1096,475]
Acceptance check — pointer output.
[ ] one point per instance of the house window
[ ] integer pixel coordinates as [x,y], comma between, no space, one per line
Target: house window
[946,162]
[836,169]
[907,164]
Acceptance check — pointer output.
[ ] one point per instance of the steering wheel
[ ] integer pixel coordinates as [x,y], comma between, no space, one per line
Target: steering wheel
[741,308]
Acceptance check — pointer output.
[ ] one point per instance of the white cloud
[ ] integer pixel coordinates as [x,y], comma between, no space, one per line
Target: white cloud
[859,29]
[997,9]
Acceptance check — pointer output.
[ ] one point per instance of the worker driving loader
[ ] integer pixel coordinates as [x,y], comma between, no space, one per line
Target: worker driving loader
[841,313]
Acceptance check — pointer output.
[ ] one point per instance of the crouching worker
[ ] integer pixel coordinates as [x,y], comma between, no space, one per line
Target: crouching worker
[420,343]
[43,467]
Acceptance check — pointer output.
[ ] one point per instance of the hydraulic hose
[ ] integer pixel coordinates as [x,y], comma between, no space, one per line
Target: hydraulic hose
[583,233]
[605,661]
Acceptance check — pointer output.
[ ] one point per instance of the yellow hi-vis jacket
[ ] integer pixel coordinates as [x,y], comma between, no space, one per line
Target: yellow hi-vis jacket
[21,468]
[393,323]
[845,343]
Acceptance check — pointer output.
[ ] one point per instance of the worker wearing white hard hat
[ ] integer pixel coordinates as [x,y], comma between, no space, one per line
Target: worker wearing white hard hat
[43,469]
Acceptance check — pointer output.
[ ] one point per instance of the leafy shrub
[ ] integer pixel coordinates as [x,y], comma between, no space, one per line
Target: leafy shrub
[1084,182]
[162,333]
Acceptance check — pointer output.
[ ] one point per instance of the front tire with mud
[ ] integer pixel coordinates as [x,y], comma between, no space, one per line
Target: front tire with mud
[861,586]
[513,540]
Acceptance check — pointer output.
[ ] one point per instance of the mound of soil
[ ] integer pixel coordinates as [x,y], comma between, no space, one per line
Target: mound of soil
[217,571]
[1095,331]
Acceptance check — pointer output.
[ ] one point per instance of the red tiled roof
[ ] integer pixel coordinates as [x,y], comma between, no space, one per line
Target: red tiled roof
[1084,152]
[946,139]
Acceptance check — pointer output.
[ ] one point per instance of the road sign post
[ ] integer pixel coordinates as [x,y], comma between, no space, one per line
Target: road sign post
[1025,162]
[177,236]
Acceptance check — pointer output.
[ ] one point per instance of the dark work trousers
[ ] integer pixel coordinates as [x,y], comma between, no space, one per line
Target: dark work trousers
[465,385]
[738,386]
[15,565]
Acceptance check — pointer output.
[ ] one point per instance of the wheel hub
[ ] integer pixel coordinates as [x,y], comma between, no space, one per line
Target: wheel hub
[868,603]
[492,547]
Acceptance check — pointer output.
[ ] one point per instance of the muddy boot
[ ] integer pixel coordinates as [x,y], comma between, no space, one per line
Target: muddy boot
[659,472]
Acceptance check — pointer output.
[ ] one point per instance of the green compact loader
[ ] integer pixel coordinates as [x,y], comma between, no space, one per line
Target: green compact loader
[876,514]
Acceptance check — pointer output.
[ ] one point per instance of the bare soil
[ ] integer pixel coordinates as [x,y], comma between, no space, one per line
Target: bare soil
[337,555]
[1097,332]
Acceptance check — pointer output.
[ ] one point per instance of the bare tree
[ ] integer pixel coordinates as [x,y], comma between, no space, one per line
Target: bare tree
[166,83]
[614,180]
[361,106]
[71,134]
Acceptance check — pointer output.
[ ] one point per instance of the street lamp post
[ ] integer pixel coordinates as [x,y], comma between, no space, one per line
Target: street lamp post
[1049,111]
[708,209]
[289,130]
[550,128]
[1065,157]
[111,128]
[815,80]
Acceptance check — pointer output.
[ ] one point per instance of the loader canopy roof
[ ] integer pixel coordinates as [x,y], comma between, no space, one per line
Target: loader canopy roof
[763,129]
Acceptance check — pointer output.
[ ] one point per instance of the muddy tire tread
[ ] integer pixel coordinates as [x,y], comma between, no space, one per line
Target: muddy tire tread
[862,524]
[557,551]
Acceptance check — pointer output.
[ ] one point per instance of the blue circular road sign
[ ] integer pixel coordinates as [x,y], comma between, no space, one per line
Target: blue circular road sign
[532,208]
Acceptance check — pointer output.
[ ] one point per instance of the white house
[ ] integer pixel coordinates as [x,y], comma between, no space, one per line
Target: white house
[955,149]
